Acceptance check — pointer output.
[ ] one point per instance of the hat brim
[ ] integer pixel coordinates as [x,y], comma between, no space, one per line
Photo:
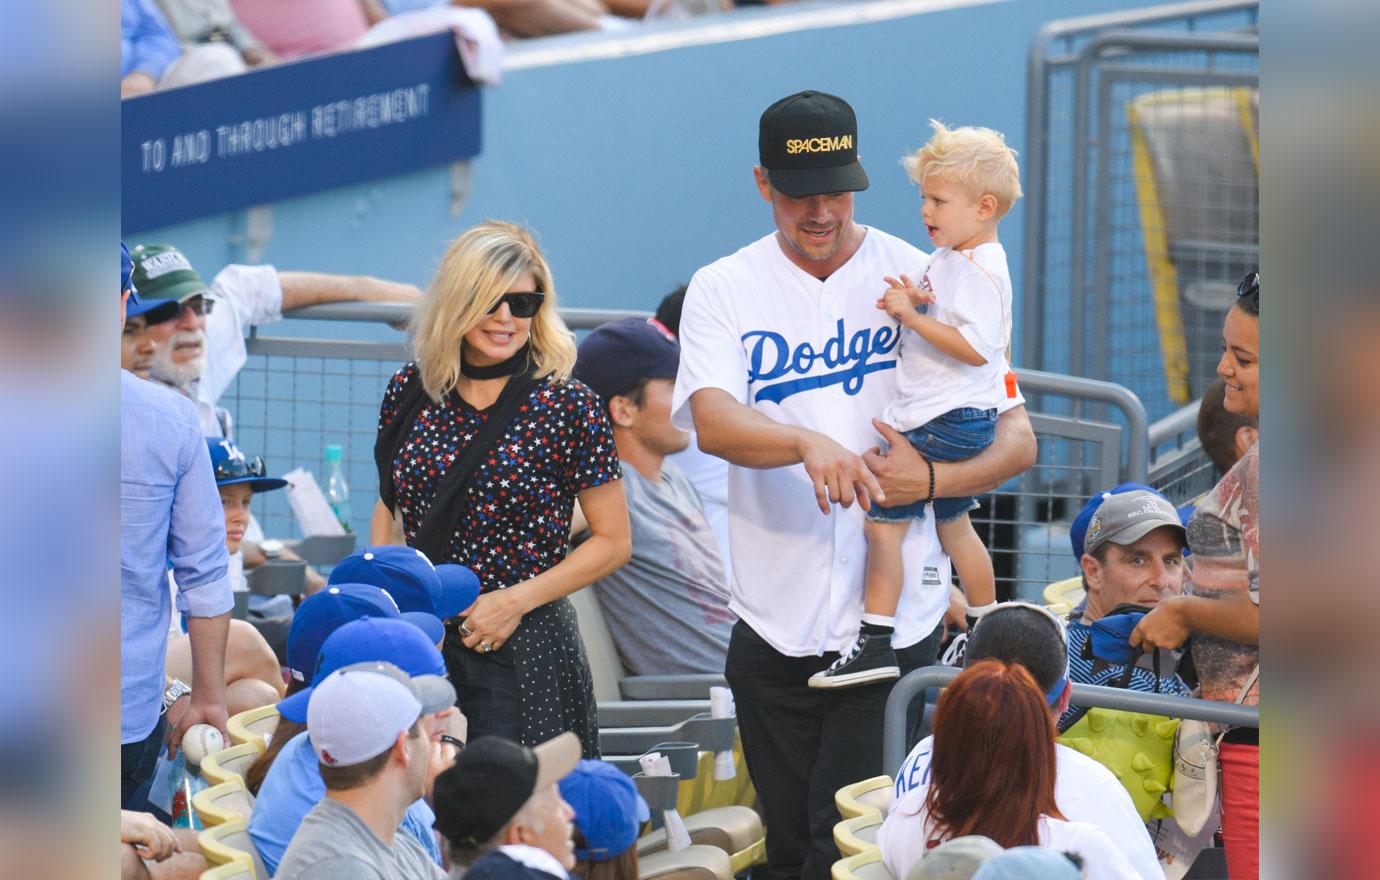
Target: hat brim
[435,693]
[801,182]
[428,623]
[556,758]
[294,708]
[258,484]
[459,589]
[153,311]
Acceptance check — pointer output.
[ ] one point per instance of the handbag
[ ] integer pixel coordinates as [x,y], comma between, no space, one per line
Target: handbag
[1195,768]
[434,534]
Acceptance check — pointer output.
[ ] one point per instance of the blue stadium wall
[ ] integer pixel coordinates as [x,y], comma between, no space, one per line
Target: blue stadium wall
[631,155]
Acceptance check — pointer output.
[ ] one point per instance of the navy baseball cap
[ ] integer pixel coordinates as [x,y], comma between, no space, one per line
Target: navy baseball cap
[322,613]
[409,577]
[233,469]
[616,356]
[608,809]
[368,639]
[1078,532]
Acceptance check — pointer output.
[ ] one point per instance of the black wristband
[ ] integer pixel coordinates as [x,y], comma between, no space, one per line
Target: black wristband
[929,464]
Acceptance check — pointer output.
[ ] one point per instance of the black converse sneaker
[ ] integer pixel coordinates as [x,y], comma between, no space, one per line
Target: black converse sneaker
[870,659]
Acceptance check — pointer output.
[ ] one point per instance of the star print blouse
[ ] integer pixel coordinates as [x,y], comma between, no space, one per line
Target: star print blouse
[520,500]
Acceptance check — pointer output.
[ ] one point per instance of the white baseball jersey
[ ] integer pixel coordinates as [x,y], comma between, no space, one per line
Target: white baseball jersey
[817,354]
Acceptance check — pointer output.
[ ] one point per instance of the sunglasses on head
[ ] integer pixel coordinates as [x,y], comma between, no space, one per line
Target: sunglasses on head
[1248,292]
[523,304]
[239,468]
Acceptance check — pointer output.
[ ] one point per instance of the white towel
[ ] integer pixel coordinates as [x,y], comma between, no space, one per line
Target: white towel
[476,37]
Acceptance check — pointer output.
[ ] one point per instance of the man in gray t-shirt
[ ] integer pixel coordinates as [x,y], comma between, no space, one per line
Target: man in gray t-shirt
[667,608]
[369,728]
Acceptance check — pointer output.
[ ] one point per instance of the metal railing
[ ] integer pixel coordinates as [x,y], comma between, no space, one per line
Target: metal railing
[296,394]
[1141,169]
[1179,466]
[914,684]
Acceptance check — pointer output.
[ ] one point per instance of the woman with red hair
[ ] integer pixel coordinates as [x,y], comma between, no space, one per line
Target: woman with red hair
[992,774]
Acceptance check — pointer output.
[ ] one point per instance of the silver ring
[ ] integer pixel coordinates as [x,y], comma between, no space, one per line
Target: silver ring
[465,629]
[485,647]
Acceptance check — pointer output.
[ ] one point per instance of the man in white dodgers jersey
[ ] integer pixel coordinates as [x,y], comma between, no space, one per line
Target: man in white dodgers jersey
[784,362]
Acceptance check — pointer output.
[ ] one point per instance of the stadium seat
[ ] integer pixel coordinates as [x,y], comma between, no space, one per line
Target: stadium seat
[236,870]
[323,549]
[736,830]
[863,866]
[230,843]
[864,798]
[1196,158]
[1061,597]
[222,803]
[693,863]
[229,763]
[254,726]
[858,834]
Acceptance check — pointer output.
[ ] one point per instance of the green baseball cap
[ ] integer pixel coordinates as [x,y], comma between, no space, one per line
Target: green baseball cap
[161,271]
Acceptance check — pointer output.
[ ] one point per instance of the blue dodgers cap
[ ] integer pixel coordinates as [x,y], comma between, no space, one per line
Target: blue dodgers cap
[1078,532]
[126,270]
[231,468]
[616,356]
[368,639]
[1028,863]
[608,809]
[154,311]
[322,613]
[408,576]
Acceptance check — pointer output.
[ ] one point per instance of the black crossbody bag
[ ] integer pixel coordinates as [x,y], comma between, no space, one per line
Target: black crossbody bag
[434,534]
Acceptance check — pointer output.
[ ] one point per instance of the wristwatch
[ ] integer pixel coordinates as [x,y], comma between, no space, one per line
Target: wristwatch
[272,548]
[176,689]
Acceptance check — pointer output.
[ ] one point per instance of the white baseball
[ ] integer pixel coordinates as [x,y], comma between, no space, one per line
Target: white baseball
[199,741]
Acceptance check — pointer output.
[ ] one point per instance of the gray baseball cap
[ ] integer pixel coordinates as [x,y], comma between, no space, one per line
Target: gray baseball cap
[1126,518]
[956,859]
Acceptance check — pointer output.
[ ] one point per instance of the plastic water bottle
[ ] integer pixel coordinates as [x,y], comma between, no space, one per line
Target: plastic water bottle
[337,490]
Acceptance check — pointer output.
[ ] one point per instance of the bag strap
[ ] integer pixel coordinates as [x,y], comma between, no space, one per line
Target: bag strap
[433,535]
[1250,683]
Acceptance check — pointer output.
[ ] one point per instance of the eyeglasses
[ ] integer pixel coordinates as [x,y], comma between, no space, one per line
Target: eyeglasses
[239,468]
[523,304]
[1248,292]
[199,304]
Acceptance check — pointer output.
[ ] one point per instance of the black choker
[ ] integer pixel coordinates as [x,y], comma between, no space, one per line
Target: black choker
[512,366]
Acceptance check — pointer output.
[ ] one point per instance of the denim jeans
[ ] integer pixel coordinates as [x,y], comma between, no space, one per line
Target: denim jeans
[957,435]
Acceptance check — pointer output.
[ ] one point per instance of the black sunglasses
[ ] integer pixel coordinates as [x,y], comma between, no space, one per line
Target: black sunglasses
[238,468]
[522,304]
[1248,293]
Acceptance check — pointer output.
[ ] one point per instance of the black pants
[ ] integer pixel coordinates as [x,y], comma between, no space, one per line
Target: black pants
[802,744]
[137,763]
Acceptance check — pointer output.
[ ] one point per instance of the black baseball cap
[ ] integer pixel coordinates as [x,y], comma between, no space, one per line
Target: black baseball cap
[490,781]
[808,144]
[616,356]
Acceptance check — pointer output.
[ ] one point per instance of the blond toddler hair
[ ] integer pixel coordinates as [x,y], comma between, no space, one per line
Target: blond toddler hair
[976,159]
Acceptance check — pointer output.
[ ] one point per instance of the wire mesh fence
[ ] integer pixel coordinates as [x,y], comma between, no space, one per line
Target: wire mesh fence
[1142,164]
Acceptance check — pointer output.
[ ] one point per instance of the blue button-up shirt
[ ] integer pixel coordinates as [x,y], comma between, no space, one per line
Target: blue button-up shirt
[293,786]
[146,41]
[170,515]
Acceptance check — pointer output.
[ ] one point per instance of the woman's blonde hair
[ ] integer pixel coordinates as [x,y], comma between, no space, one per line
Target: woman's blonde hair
[476,270]
[976,159]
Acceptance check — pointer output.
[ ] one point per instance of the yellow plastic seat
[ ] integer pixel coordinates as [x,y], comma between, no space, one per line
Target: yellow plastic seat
[861,798]
[236,870]
[229,763]
[1061,597]
[230,843]
[735,830]
[858,834]
[255,725]
[222,803]
[866,865]
[693,863]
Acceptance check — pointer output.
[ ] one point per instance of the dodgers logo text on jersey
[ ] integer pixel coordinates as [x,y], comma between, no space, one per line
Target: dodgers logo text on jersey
[771,356]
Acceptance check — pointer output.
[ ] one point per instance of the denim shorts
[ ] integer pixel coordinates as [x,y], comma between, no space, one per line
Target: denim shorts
[957,435]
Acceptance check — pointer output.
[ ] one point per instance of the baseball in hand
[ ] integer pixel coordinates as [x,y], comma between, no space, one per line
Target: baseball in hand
[199,741]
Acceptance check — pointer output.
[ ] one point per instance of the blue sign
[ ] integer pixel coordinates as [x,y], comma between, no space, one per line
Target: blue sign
[295,129]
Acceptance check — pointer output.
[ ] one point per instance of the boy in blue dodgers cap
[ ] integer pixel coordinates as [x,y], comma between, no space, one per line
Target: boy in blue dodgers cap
[367,730]
[608,814]
[667,607]
[294,783]
[409,577]
[170,517]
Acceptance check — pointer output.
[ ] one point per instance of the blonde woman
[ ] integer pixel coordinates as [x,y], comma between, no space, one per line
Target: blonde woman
[490,347]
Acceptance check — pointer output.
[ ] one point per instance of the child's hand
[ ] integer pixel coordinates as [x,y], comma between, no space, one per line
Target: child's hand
[901,298]
[918,296]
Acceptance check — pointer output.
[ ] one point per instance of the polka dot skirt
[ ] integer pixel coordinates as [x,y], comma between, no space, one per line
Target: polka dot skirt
[518,525]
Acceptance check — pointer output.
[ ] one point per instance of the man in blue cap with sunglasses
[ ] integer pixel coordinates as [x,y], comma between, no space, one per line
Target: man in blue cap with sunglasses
[170,517]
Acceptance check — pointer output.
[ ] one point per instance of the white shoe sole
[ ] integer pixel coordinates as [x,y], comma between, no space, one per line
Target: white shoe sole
[852,679]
